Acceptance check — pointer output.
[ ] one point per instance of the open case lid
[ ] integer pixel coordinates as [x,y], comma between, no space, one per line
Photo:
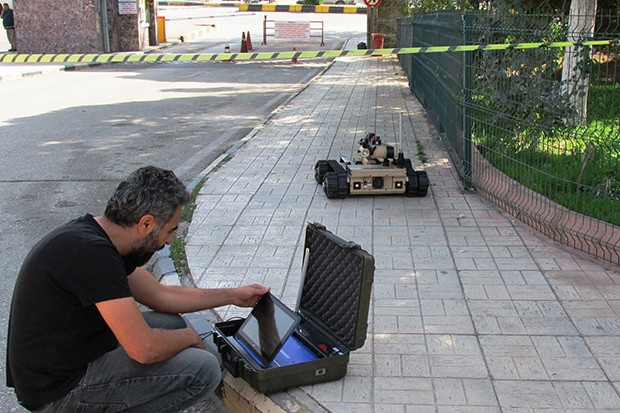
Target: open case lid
[335,294]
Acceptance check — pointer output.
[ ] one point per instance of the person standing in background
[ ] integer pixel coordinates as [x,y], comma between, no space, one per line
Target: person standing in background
[9,25]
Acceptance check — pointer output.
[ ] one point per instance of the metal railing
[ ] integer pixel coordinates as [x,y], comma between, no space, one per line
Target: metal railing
[536,131]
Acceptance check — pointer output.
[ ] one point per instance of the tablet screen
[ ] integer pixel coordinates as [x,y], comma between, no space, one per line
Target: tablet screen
[267,328]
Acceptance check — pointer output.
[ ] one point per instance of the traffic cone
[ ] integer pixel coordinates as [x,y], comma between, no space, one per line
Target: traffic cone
[294,59]
[244,43]
[248,41]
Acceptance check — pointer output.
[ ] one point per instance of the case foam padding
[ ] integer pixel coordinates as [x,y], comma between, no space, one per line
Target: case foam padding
[331,291]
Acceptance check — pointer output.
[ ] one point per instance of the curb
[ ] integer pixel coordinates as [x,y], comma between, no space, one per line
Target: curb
[52,68]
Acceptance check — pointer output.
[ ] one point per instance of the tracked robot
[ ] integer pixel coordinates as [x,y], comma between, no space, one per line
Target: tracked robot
[378,170]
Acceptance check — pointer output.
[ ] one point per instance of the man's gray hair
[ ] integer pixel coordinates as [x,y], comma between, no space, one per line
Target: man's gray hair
[148,190]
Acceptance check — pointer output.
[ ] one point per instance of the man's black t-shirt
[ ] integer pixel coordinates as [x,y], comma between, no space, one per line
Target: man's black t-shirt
[55,329]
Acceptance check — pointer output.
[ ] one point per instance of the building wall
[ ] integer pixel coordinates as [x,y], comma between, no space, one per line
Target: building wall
[64,26]
[75,26]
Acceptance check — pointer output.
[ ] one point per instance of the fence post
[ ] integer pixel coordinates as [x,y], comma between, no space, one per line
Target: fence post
[467,87]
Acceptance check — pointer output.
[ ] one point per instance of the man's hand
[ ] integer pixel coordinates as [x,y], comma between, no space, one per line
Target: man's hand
[198,342]
[176,299]
[248,295]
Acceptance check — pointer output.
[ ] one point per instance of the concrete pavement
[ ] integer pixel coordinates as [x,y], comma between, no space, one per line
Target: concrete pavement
[471,311]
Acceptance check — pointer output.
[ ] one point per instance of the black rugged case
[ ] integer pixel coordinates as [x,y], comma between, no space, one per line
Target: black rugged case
[333,305]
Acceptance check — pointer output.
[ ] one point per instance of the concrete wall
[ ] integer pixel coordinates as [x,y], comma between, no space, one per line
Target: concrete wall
[76,26]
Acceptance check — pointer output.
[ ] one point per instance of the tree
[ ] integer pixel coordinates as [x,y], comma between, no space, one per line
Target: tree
[575,77]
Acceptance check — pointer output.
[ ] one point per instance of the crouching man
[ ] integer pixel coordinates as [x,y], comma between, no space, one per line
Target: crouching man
[78,341]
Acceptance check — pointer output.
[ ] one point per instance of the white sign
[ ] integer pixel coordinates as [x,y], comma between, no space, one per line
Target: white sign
[127,6]
[291,30]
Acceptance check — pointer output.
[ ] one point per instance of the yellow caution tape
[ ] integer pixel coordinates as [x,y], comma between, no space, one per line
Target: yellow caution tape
[272,7]
[140,57]
[296,8]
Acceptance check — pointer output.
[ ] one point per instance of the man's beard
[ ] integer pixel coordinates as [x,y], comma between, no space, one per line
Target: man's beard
[142,252]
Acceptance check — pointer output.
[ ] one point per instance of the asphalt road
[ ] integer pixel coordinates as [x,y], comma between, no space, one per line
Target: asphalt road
[67,138]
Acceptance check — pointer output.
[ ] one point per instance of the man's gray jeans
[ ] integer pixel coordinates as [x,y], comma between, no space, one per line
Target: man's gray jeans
[116,383]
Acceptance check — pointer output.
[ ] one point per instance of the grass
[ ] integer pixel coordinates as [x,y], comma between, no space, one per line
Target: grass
[177,254]
[421,154]
[177,247]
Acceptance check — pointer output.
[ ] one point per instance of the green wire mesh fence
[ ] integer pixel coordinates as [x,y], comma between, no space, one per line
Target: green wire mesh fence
[537,131]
